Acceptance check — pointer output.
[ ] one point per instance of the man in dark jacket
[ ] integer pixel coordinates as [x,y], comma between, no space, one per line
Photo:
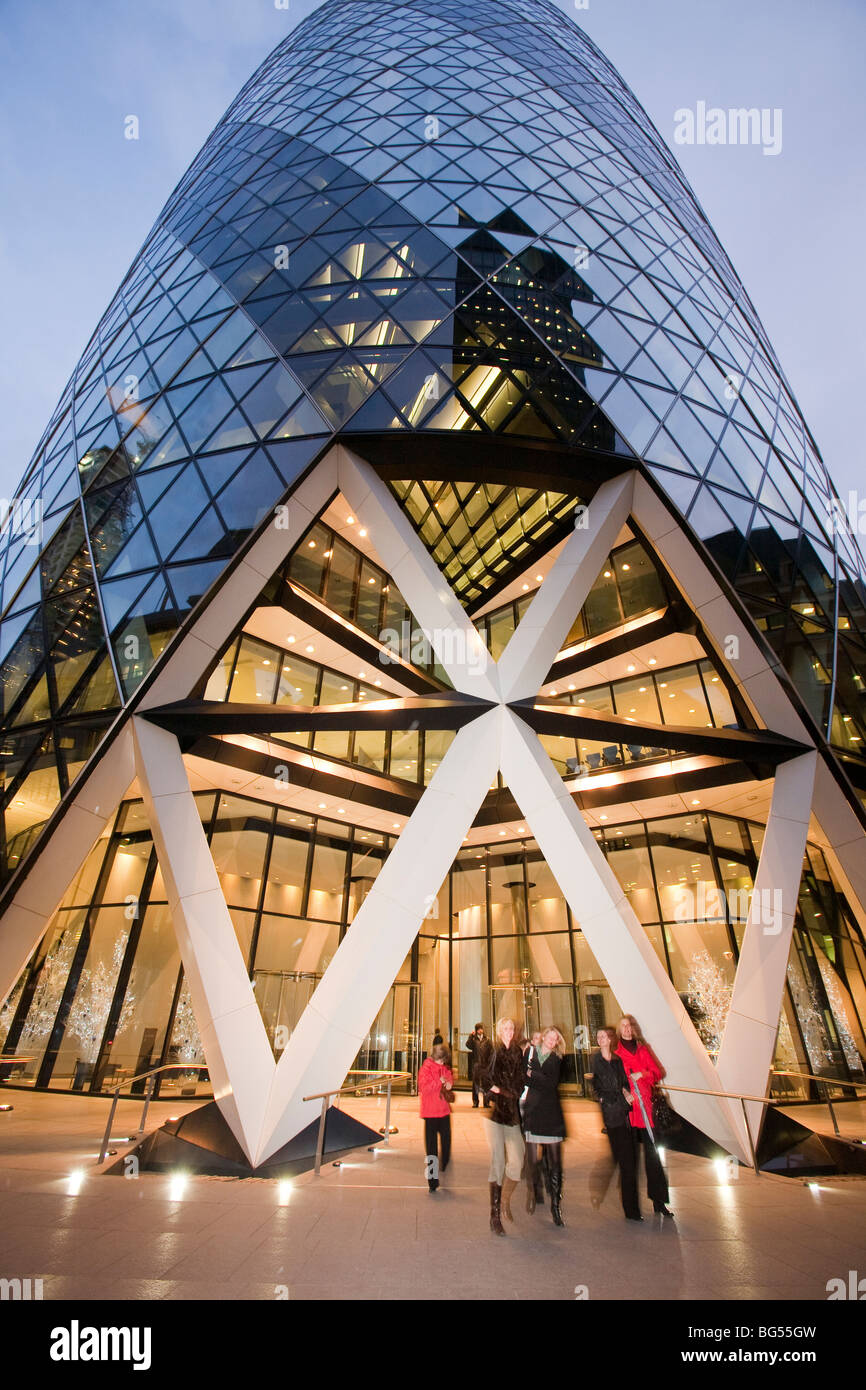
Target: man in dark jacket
[480,1050]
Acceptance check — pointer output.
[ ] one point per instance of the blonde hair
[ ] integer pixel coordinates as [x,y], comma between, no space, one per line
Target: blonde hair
[559,1047]
[500,1026]
[635,1028]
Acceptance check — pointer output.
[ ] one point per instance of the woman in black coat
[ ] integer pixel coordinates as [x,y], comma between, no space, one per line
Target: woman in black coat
[613,1092]
[543,1120]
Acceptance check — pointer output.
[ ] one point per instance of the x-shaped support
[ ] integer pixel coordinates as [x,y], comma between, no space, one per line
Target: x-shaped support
[263,1100]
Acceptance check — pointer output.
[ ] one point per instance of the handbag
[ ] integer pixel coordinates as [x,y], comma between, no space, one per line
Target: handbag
[665,1119]
[447,1094]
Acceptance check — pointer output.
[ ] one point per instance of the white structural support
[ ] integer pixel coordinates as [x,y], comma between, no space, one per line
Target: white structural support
[616,937]
[101,786]
[456,641]
[751,670]
[545,625]
[749,1041]
[233,1035]
[262,1099]
[349,995]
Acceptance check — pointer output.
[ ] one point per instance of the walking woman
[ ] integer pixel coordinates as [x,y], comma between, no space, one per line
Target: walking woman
[644,1071]
[504,1082]
[544,1123]
[435,1084]
[612,1091]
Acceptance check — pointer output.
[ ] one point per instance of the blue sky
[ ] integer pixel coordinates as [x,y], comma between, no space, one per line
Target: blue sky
[79,199]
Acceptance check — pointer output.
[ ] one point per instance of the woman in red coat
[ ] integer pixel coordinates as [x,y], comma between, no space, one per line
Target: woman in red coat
[434,1077]
[644,1071]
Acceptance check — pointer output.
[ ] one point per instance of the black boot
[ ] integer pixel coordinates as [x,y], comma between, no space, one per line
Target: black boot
[495,1208]
[556,1196]
[534,1192]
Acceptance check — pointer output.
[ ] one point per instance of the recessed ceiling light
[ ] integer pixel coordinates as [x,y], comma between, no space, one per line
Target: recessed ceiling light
[362,533]
[350,521]
[290,639]
[652,661]
[309,648]
[602,817]
[630,668]
[539,577]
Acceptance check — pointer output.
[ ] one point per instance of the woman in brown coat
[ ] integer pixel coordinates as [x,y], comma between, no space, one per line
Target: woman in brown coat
[505,1083]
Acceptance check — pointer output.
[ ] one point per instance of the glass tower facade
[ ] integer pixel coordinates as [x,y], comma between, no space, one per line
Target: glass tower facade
[454,242]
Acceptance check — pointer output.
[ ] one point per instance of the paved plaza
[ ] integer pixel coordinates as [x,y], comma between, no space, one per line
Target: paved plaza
[370,1230]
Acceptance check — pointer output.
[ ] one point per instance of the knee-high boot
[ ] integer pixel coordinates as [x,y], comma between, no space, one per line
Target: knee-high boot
[508,1186]
[556,1186]
[534,1188]
[495,1207]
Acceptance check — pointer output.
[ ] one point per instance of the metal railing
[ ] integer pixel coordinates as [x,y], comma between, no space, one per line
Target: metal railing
[826,1082]
[150,1078]
[379,1078]
[771,1100]
[729,1095]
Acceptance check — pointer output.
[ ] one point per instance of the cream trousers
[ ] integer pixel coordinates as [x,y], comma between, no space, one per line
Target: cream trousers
[506,1152]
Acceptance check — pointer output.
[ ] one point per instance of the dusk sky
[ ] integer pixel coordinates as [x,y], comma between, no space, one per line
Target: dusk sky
[79,199]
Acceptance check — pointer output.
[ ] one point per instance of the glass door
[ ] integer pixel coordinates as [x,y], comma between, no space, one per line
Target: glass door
[282,997]
[394,1040]
[535,1005]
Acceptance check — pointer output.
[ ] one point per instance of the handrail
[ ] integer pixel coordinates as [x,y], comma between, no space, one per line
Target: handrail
[770,1100]
[826,1080]
[324,1096]
[729,1095]
[361,1085]
[148,1096]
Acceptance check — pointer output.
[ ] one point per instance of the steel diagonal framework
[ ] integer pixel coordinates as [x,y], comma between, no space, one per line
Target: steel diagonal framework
[263,1100]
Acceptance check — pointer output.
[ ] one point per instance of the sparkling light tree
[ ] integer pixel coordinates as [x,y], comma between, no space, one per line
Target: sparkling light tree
[709,994]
